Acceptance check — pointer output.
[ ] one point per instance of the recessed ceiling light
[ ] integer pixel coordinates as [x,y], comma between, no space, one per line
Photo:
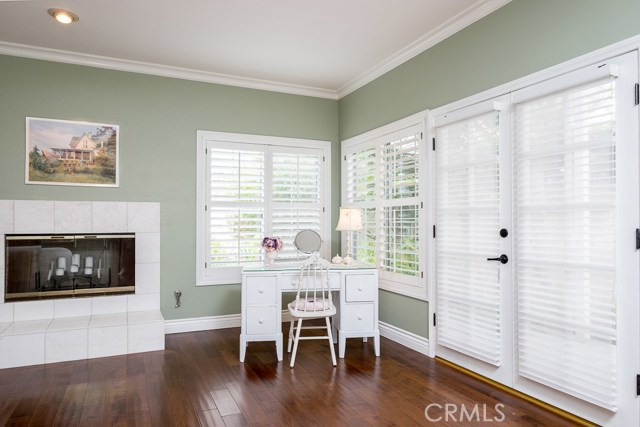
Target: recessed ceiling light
[63,16]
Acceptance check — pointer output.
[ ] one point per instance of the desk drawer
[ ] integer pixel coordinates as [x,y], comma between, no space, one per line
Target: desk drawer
[360,288]
[262,290]
[262,320]
[289,282]
[358,317]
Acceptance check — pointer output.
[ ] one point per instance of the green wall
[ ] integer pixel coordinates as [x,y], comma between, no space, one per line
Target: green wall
[158,120]
[522,37]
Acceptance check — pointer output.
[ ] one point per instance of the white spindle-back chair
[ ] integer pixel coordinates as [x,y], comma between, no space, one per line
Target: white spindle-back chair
[313,301]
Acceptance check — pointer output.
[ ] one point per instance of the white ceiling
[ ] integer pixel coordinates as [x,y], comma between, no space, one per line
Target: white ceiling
[325,48]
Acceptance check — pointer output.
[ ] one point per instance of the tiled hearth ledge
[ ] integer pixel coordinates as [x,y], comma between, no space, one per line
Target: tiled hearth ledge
[37,332]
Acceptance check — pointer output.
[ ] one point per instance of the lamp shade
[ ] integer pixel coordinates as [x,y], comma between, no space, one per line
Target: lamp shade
[350,219]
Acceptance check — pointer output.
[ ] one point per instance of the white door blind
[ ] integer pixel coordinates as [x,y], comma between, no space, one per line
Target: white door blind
[296,196]
[565,210]
[468,220]
[236,214]
[398,234]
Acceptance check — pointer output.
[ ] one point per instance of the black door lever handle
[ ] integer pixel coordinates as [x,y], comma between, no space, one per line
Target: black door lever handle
[502,258]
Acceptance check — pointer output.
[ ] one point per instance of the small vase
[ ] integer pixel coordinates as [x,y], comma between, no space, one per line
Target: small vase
[271,257]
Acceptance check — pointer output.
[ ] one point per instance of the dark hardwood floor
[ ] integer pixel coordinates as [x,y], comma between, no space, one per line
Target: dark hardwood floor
[198,381]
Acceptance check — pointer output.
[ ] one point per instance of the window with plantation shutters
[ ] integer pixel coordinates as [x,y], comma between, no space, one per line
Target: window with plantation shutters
[250,187]
[383,174]
[565,210]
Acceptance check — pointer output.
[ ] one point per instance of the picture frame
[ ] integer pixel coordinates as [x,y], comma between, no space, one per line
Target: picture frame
[72,153]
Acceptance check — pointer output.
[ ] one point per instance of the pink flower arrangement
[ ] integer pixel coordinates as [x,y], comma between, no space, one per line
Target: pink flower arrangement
[271,244]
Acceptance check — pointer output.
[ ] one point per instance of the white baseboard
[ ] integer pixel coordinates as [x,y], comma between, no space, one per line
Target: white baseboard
[201,323]
[405,338]
[402,337]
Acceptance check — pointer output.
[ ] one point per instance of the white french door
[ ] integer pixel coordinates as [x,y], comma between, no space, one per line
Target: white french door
[471,213]
[576,204]
[558,321]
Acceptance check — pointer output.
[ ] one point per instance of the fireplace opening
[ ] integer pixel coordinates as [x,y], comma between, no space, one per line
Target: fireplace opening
[68,265]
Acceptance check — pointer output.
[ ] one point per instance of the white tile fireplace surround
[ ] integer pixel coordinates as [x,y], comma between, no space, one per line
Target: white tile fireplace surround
[48,331]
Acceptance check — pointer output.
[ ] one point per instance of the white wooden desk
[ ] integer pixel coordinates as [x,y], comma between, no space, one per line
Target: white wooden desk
[357,304]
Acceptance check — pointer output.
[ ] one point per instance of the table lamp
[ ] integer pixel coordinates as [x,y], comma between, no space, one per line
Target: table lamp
[350,220]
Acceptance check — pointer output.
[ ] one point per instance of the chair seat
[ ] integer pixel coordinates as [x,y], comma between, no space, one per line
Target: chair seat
[311,307]
[311,304]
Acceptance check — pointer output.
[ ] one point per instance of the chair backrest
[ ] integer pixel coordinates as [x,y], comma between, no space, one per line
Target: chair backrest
[314,289]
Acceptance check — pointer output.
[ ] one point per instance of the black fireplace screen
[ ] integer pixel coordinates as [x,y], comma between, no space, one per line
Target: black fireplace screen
[68,265]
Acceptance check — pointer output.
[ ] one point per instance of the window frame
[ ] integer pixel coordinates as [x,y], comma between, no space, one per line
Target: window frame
[233,275]
[418,286]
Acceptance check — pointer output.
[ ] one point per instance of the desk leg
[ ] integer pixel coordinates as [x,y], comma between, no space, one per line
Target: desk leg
[336,319]
[243,347]
[334,332]
[376,344]
[342,344]
[279,347]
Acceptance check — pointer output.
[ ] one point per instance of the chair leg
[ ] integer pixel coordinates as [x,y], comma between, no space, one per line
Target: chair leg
[296,340]
[290,337]
[330,336]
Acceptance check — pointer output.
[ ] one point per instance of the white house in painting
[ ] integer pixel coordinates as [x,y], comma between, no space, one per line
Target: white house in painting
[83,149]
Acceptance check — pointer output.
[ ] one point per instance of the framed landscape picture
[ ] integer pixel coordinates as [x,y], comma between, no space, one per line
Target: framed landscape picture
[63,152]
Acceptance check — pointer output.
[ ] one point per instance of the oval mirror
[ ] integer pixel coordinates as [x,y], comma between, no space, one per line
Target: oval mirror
[307,241]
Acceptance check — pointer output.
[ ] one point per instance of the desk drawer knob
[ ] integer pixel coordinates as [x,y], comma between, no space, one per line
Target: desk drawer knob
[261,320]
[261,291]
[360,288]
[359,317]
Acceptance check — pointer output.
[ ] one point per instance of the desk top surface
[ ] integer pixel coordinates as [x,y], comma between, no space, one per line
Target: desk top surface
[295,266]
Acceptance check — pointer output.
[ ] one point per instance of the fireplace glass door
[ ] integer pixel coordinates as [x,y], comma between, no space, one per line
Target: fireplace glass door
[68,265]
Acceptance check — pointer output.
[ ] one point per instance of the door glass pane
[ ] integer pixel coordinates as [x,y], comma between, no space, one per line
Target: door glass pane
[468,221]
[565,195]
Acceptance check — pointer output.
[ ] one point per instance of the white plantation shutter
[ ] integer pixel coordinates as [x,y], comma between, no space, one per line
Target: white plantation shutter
[236,235]
[361,170]
[398,232]
[565,210]
[468,221]
[399,240]
[364,241]
[236,188]
[400,165]
[296,196]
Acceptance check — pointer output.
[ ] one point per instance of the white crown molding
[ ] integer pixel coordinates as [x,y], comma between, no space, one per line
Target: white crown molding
[47,54]
[462,20]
